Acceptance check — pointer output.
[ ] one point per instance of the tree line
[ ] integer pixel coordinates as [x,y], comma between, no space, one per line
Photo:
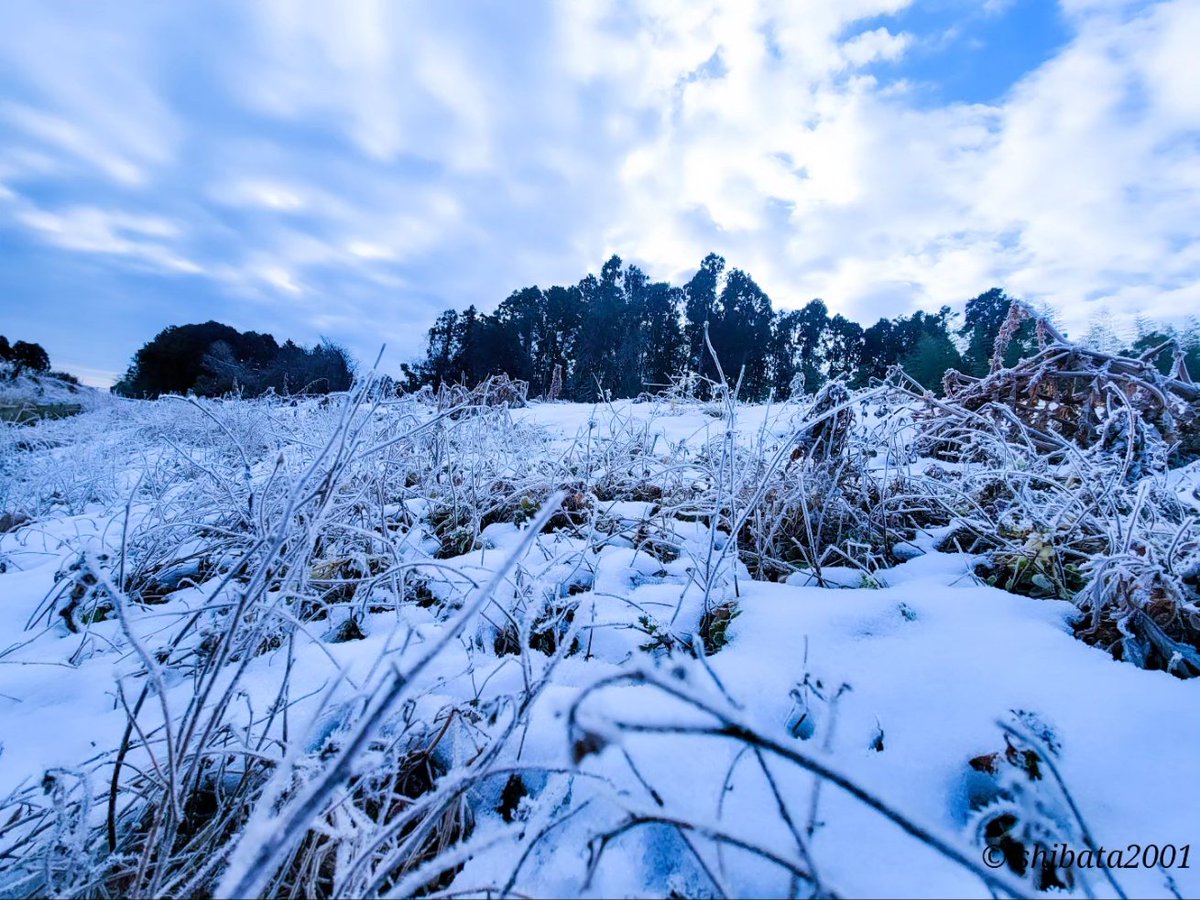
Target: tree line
[617,334]
[211,359]
[620,333]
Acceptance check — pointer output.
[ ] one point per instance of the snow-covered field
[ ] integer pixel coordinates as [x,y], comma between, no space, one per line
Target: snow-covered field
[364,647]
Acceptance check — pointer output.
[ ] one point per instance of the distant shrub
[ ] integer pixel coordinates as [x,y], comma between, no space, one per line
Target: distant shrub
[212,359]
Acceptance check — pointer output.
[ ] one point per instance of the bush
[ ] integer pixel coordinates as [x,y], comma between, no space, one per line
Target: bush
[212,360]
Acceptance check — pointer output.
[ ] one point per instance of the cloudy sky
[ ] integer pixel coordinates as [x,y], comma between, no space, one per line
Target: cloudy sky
[348,170]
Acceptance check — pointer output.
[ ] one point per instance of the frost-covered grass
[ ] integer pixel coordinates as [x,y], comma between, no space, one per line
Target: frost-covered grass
[374,646]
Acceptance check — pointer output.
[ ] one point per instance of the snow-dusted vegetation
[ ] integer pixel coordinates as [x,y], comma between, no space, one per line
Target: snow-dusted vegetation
[458,645]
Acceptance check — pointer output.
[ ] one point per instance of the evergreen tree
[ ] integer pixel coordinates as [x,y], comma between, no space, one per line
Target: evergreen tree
[498,351]
[1187,342]
[653,337]
[699,306]
[633,341]
[1100,336]
[930,359]
[442,353]
[563,319]
[741,334]
[921,341]
[981,324]
[879,352]
[662,358]
[464,366]
[524,313]
[783,356]
[799,343]
[599,354]
[843,348]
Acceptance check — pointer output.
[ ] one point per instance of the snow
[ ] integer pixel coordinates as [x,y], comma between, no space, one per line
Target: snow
[932,662]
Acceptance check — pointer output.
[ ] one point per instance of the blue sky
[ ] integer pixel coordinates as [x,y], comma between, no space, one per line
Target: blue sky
[968,51]
[350,170]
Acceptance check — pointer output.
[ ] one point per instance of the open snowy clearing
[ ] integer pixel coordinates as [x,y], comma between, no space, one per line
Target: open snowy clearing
[374,647]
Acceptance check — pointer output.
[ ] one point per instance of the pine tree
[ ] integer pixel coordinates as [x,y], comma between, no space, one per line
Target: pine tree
[524,313]
[843,348]
[878,352]
[699,306]
[598,353]
[741,334]
[930,359]
[981,324]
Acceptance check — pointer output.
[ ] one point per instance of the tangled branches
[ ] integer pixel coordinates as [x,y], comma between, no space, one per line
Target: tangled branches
[1070,393]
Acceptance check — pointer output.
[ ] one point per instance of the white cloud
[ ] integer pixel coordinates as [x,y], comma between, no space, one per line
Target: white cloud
[1082,183]
[63,135]
[997,7]
[396,78]
[87,78]
[262,194]
[1095,169]
[143,239]
[879,44]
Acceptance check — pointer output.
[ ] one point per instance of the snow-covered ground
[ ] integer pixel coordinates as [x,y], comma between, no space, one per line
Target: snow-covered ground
[314,599]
